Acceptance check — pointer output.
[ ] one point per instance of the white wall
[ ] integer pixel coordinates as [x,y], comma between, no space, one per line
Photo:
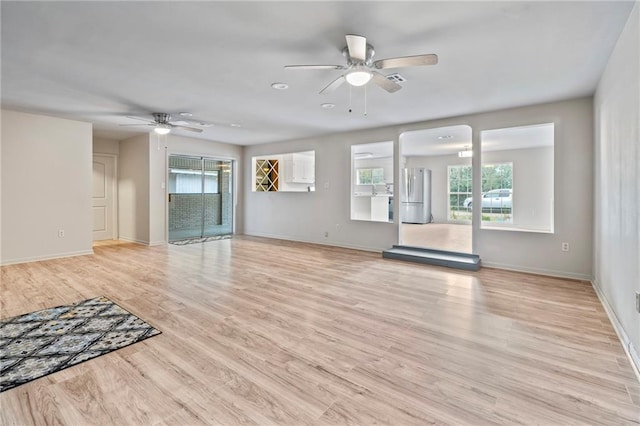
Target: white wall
[616,256]
[46,187]
[133,189]
[306,216]
[532,183]
[106,146]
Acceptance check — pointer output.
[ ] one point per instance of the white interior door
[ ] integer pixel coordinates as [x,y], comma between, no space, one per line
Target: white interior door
[104,227]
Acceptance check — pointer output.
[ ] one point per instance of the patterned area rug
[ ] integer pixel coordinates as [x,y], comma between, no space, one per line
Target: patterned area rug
[199,240]
[43,342]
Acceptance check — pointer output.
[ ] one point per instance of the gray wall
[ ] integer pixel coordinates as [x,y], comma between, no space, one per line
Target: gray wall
[616,256]
[532,172]
[46,187]
[306,216]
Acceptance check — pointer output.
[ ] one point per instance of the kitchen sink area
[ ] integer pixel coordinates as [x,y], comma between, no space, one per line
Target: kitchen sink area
[373,205]
[372,183]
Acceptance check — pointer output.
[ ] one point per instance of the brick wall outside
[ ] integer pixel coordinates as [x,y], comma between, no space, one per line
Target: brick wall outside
[185,210]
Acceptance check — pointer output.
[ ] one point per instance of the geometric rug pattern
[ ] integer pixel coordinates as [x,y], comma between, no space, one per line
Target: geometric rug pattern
[40,343]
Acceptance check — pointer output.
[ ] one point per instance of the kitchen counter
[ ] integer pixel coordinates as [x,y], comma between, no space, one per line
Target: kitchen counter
[368,194]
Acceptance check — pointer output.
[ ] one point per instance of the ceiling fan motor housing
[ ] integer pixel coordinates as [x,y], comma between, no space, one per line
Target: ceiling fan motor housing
[367,62]
[161,117]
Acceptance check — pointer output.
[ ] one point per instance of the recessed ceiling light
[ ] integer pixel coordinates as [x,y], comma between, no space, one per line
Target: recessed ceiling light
[280,86]
[327,105]
[185,114]
[236,125]
[445,137]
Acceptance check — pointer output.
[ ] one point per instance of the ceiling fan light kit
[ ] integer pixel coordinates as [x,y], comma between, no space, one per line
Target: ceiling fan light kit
[162,129]
[358,77]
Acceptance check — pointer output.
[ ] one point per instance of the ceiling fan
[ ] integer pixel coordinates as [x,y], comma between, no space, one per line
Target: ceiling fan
[361,68]
[162,123]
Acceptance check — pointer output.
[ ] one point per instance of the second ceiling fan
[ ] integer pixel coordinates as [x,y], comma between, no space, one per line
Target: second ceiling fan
[361,68]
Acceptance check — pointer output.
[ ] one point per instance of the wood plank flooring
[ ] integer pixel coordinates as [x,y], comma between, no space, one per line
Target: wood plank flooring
[267,332]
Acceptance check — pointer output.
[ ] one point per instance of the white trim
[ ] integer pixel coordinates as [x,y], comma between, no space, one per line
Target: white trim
[627,345]
[133,240]
[144,243]
[328,244]
[46,257]
[549,272]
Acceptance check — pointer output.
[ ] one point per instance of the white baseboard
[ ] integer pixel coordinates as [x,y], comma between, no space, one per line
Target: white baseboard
[515,268]
[538,271]
[143,242]
[133,240]
[46,257]
[629,349]
[322,243]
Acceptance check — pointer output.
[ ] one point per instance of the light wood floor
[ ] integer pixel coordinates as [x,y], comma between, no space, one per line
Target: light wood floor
[441,236]
[258,331]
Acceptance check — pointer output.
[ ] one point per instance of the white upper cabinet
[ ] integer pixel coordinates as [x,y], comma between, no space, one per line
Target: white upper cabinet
[299,168]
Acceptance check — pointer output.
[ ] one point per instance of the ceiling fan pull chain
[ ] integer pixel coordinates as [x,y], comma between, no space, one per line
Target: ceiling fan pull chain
[350,99]
[365,100]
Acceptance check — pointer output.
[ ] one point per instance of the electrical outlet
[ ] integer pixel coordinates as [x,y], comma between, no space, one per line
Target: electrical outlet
[61,233]
[565,246]
[326,234]
[638,301]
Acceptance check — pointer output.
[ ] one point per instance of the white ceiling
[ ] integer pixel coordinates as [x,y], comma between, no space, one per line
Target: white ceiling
[101,61]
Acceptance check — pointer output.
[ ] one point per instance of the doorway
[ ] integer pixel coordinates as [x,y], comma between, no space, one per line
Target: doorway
[200,197]
[104,194]
[444,157]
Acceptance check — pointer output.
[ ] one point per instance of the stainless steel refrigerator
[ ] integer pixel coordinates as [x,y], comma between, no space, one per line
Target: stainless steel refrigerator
[415,196]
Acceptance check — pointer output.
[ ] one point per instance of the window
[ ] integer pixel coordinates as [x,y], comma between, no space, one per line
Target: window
[370,176]
[372,182]
[460,184]
[517,178]
[497,190]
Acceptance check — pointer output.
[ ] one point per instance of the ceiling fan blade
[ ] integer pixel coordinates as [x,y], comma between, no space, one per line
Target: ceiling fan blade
[140,118]
[191,129]
[357,46]
[333,85]
[314,67]
[133,125]
[385,83]
[406,61]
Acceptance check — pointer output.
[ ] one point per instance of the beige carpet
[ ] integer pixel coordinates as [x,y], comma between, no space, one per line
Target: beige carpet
[441,236]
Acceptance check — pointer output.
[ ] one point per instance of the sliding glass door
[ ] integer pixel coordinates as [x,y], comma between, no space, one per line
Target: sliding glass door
[200,197]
